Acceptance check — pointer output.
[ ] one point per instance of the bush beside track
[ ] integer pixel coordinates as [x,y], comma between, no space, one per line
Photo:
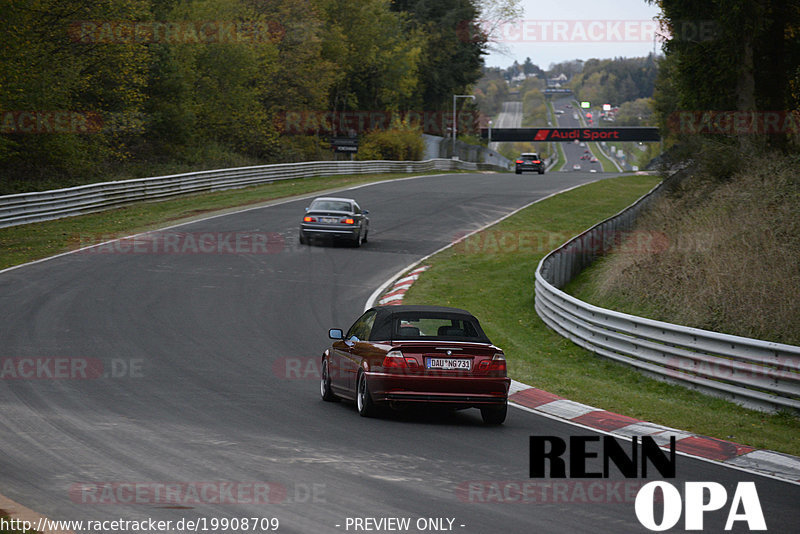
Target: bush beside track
[491,274]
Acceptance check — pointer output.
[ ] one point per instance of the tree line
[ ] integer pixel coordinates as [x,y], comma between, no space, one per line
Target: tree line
[615,81]
[731,74]
[92,86]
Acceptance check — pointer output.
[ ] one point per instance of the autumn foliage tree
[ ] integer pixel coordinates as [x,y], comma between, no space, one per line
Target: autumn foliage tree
[178,85]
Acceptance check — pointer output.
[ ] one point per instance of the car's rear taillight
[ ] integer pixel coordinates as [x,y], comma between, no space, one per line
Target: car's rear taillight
[395,360]
[498,363]
[309,219]
[519,161]
[536,161]
[348,221]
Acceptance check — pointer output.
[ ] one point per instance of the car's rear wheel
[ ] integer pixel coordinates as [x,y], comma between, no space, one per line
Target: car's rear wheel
[494,415]
[303,239]
[366,408]
[358,240]
[325,384]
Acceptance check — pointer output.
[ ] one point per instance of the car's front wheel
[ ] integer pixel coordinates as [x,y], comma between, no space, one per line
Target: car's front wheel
[325,383]
[366,408]
[494,415]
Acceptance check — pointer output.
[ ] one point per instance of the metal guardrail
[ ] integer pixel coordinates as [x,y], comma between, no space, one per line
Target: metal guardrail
[46,205]
[758,374]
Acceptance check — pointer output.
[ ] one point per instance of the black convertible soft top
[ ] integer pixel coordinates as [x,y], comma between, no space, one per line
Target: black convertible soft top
[388,321]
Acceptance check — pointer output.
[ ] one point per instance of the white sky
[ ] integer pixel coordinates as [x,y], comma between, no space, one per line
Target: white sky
[601,29]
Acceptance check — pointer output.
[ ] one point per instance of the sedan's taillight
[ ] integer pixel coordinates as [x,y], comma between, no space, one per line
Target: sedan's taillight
[536,161]
[498,363]
[348,221]
[519,161]
[395,360]
[309,219]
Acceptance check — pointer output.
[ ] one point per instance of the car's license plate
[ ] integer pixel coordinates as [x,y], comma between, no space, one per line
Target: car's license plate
[329,220]
[460,364]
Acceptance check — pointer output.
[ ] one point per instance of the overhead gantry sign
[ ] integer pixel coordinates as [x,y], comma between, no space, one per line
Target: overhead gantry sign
[627,133]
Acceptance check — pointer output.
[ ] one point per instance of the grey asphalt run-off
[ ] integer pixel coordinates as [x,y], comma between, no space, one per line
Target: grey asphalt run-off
[210,399]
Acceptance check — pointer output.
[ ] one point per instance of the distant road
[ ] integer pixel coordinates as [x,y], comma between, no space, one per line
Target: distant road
[510,117]
[570,118]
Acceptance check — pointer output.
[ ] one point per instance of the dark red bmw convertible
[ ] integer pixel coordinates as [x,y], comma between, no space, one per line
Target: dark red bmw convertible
[400,355]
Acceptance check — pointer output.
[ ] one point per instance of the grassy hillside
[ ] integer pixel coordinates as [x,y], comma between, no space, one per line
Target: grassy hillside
[728,255]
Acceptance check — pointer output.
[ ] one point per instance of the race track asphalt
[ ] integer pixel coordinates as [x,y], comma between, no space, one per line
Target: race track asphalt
[217,355]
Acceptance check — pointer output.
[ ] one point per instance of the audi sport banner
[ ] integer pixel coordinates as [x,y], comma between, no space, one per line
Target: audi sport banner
[627,133]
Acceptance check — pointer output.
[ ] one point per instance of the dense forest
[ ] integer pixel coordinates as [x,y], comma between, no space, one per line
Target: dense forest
[102,88]
[746,66]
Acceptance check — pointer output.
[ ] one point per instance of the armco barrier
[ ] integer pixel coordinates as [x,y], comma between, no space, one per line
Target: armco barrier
[41,206]
[758,374]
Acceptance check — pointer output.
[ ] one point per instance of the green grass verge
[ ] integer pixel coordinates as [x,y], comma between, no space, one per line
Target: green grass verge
[562,159]
[491,274]
[606,163]
[23,243]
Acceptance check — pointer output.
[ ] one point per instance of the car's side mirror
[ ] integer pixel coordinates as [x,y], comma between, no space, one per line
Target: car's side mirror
[306,208]
[335,333]
[364,211]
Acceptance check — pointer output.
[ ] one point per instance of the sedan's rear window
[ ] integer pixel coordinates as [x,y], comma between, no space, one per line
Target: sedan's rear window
[331,205]
[435,327]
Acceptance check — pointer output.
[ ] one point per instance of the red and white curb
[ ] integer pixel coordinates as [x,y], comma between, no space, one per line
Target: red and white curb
[398,290]
[770,463]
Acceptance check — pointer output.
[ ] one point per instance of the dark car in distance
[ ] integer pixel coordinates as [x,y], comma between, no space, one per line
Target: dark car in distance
[335,218]
[403,355]
[529,161]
